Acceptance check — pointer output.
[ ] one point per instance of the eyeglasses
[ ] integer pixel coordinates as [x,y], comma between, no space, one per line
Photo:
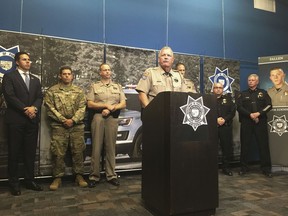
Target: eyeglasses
[218,87]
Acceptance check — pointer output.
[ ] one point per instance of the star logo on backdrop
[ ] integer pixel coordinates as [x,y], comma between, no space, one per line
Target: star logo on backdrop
[223,78]
[7,63]
[278,125]
[194,112]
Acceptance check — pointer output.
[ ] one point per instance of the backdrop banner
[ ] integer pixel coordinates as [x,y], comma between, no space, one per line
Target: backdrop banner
[277,117]
[226,72]
[48,54]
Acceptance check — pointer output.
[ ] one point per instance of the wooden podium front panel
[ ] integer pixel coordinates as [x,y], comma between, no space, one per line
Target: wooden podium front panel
[194,160]
[180,167]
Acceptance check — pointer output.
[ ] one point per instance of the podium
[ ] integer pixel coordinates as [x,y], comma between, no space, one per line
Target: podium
[179,164]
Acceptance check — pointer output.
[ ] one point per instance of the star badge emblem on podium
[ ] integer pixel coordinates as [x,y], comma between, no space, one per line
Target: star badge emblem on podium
[194,112]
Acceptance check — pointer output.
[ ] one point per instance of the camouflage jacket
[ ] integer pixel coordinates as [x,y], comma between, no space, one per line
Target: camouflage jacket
[64,102]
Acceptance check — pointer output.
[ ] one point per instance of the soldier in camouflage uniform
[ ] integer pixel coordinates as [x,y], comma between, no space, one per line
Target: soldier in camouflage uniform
[160,79]
[66,104]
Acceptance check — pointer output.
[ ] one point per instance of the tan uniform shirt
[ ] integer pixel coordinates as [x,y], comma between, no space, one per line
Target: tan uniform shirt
[102,93]
[156,80]
[190,86]
[104,129]
[279,97]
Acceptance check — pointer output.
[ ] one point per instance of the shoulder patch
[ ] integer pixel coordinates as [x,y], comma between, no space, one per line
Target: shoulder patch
[145,75]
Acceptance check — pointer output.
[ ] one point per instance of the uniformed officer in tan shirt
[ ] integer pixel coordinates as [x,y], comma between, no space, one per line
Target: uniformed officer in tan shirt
[279,92]
[106,98]
[180,67]
[160,79]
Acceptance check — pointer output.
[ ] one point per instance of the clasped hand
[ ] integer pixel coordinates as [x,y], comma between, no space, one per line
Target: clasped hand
[105,112]
[68,123]
[108,110]
[30,112]
[220,121]
[254,117]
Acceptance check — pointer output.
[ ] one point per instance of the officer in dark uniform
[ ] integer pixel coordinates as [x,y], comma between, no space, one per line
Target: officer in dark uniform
[253,105]
[225,113]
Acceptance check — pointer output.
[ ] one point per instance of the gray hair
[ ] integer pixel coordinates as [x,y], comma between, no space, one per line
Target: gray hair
[254,75]
[165,48]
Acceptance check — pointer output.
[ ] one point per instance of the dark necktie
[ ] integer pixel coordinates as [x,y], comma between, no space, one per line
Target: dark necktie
[168,74]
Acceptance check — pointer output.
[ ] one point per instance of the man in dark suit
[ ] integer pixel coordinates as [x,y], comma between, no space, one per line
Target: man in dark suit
[23,95]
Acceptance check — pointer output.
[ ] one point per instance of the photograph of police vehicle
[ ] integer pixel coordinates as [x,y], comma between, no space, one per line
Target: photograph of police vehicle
[129,136]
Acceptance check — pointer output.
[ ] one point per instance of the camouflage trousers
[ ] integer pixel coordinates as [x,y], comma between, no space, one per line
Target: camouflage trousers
[61,139]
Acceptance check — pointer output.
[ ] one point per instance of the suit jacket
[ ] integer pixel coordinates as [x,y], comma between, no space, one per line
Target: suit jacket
[17,97]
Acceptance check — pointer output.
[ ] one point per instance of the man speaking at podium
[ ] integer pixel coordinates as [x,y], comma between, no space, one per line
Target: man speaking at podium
[160,79]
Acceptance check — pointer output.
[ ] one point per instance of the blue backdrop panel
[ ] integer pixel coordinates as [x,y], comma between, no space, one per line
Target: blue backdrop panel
[136,23]
[196,27]
[66,18]
[219,28]
[10,15]
[254,34]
